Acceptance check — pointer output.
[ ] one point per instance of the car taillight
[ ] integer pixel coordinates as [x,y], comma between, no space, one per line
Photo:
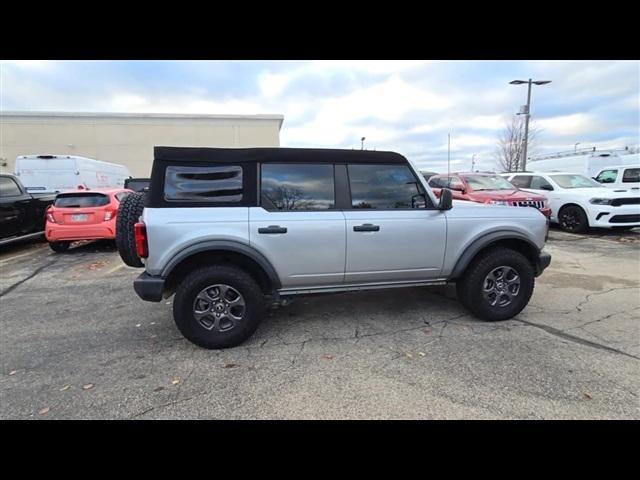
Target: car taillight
[140,237]
[50,218]
[109,214]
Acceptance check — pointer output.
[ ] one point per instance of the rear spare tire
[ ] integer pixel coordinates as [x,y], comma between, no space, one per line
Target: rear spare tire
[128,215]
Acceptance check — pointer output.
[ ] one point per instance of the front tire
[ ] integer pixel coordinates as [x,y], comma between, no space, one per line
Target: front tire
[218,306]
[497,285]
[572,219]
[59,247]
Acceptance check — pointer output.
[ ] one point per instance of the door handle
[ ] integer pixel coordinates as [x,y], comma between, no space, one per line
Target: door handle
[367,227]
[272,229]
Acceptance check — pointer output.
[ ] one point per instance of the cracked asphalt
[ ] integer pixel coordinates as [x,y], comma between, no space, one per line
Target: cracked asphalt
[77,343]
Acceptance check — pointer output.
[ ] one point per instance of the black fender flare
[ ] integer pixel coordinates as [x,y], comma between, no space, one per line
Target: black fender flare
[224,246]
[483,241]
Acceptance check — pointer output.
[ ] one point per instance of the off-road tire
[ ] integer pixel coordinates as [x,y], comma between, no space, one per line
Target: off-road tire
[194,283]
[470,286]
[572,219]
[59,247]
[128,215]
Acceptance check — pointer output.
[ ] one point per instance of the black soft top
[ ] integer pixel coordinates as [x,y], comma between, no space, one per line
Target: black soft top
[273,155]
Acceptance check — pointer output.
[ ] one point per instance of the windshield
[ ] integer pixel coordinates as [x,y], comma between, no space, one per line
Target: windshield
[574,181]
[82,200]
[488,182]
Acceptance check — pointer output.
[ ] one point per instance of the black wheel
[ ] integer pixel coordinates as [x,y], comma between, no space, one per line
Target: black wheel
[218,307]
[497,285]
[128,215]
[573,219]
[59,247]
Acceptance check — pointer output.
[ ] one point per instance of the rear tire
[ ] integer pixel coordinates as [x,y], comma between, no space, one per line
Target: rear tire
[572,219]
[128,215]
[59,247]
[225,289]
[483,276]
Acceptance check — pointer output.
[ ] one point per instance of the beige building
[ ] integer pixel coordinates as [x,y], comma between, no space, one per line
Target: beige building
[127,138]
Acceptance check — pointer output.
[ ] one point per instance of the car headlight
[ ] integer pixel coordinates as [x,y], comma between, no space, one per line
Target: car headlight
[600,201]
[498,202]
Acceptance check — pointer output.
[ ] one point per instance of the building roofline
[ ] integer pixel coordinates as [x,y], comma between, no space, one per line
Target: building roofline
[259,116]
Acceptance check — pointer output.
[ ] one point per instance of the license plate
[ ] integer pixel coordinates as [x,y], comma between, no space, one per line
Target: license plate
[79,218]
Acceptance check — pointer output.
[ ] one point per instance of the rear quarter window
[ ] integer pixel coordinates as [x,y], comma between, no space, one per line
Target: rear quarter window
[211,184]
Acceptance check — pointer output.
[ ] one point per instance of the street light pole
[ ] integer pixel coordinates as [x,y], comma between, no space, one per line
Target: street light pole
[526,129]
[575,147]
[473,161]
[527,113]
[362,143]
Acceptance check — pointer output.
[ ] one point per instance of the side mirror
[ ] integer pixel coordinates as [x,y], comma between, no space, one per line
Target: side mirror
[446,199]
[546,187]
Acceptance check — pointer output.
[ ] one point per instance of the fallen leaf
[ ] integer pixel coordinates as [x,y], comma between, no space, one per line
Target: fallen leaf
[422,354]
[153,323]
[137,325]
[44,411]
[586,395]
[88,386]
[66,387]
[409,355]
[327,357]
[175,381]
[13,372]
[230,365]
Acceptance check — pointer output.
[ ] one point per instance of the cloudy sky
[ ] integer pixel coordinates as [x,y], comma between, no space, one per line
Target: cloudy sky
[406,106]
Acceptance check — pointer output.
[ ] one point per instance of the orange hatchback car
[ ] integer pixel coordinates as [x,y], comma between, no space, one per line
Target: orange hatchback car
[83,215]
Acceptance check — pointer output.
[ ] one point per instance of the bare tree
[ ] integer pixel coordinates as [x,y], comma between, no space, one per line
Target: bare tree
[511,144]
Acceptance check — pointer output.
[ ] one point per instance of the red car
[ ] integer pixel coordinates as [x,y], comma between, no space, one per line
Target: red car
[83,215]
[488,188]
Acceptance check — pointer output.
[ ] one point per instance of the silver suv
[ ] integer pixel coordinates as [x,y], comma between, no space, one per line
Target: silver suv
[230,230]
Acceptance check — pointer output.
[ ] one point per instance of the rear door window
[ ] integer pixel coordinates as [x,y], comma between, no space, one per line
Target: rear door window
[384,187]
[631,175]
[214,184]
[8,187]
[540,183]
[521,181]
[293,187]
[81,200]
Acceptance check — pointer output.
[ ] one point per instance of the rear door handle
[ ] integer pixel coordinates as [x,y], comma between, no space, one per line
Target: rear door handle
[272,229]
[367,227]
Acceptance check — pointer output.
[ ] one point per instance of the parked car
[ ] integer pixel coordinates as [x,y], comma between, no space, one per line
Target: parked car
[137,184]
[619,177]
[83,215]
[578,202]
[57,173]
[229,230]
[22,215]
[488,188]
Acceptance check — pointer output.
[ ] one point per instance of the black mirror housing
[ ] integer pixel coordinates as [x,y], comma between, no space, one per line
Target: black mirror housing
[446,199]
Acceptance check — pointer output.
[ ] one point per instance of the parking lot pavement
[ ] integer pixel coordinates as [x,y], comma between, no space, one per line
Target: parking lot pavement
[76,342]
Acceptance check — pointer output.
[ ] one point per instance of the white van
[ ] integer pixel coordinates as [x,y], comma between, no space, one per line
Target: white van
[55,173]
[588,165]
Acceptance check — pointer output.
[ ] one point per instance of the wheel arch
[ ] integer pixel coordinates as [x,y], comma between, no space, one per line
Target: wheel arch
[509,239]
[216,252]
[574,204]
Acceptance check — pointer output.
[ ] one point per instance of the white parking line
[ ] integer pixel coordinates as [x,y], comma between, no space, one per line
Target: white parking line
[21,255]
[115,269]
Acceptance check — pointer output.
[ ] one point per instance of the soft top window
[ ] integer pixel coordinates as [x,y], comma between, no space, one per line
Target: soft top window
[81,200]
[215,184]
